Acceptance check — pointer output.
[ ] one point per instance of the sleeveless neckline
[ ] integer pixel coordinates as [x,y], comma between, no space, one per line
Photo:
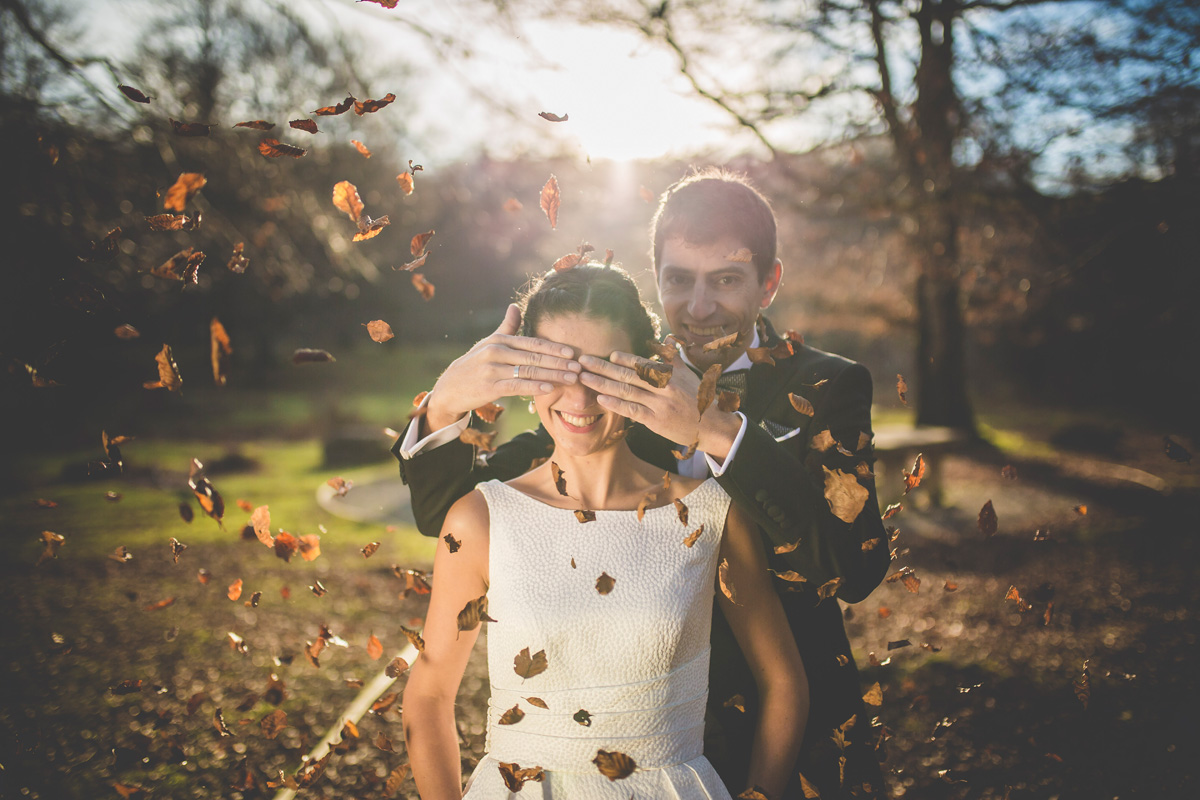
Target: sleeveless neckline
[544,504]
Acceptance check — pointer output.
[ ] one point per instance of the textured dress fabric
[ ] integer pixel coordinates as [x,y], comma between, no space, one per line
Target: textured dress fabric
[625,671]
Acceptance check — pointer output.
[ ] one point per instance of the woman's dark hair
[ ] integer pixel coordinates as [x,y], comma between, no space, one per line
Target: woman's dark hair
[593,290]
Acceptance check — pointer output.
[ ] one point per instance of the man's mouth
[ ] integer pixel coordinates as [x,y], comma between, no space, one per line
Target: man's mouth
[578,424]
[698,330]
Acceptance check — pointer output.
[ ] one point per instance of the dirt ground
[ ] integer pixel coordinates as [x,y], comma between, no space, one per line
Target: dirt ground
[986,701]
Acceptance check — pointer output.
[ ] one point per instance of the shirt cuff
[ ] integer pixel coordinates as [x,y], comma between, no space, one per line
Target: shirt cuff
[410,447]
[718,468]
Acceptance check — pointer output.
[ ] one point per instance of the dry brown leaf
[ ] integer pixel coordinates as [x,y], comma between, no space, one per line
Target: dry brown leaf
[614,765]
[784,549]
[728,402]
[605,583]
[801,404]
[490,412]
[477,438]
[256,124]
[311,355]
[189,128]
[791,576]
[768,355]
[874,695]
[173,222]
[752,793]
[177,548]
[182,191]
[219,723]
[473,613]
[708,388]
[515,777]
[549,201]
[691,538]
[126,332]
[168,372]
[908,577]
[235,589]
[379,331]
[273,148]
[527,666]
[405,180]
[560,482]
[913,479]
[452,544]
[395,667]
[418,243]
[424,287]
[568,261]
[549,117]
[810,791]
[370,228]
[333,111]
[371,106]
[374,648]
[414,638]
[512,716]
[828,589]
[845,495]
[260,519]
[183,266]
[988,522]
[584,515]
[220,347]
[727,588]
[133,94]
[274,723]
[346,200]
[654,373]
[306,125]
[416,263]
[902,389]
[822,442]
[720,343]
[537,701]
[1081,510]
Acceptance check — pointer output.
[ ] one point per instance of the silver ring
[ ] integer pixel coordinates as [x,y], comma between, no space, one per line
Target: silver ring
[517,372]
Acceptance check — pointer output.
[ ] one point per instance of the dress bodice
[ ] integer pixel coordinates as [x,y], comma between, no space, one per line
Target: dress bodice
[621,608]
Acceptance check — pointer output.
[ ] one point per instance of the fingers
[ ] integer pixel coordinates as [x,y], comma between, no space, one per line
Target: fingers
[515,387]
[617,389]
[512,321]
[628,360]
[528,373]
[527,346]
[608,369]
[634,411]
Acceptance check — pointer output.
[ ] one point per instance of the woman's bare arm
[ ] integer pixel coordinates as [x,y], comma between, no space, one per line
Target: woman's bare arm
[458,578]
[762,631]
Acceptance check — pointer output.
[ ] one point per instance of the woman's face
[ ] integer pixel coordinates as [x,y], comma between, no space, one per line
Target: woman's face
[570,413]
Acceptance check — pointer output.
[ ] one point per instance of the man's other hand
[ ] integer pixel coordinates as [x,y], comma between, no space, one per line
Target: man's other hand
[485,373]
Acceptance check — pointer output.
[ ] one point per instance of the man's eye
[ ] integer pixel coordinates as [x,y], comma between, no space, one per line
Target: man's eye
[728,280]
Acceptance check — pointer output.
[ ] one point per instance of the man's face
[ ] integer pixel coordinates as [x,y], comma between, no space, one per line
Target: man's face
[706,295]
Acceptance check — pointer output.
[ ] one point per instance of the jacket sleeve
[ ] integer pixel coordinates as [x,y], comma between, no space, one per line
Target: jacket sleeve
[782,485]
[438,477]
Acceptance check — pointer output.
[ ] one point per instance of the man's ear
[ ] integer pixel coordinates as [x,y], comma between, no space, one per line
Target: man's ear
[771,284]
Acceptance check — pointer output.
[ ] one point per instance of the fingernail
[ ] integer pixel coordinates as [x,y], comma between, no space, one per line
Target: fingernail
[570,377]
[575,366]
[545,387]
[566,352]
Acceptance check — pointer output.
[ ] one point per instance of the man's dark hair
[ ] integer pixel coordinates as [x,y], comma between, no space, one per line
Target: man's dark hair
[711,203]
[592,290]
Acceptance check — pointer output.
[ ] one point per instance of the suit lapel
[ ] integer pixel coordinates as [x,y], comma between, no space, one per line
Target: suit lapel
[765,383]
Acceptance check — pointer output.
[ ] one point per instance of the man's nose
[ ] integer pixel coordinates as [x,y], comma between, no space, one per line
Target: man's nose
[700,304]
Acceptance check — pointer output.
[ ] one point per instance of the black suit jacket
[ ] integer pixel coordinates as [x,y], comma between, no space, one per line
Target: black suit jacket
[779,478]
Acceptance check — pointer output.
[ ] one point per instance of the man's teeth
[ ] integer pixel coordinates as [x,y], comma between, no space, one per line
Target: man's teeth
[579,422]
[706,331]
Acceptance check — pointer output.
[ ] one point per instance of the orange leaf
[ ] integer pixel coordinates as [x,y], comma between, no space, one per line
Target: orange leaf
[380,331]
[417,245]
[185,186]
[845,495]
[260,519]
[333,111]
[374,648]
[273,148]
[423,286]
[489,413]
[371,106]
[361,148]
[256,124]
[478,438]
[220,347]
[238,262]
[691,538]
[902,389]
[512,205]
[549,201]
[304,125]
[740,256]
[346,200]
[235,589]
[708,388]
[614,765]
[801,404]
[168,372]
[405,180]
[727,588]
[560,483]
[654,373]
[189,128]
[913,479]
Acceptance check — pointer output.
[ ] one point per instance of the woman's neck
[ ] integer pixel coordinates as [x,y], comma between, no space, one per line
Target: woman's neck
[604,478]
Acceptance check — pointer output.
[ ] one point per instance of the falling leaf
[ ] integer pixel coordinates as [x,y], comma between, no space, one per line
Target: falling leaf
[310,355]
[654,373]
[220,347]
[177,548]
[515,777]
[1042,535]
[822,442]
[727,588]
[340,485]
[1049,613]
[209,498]
[988,522]
[828,589]
[406,182]
[512,205]
[256,124]
[306,125]
[424,287]
[318,589]
[374,648]
[913,479]
[752,793]
[121,555]
[560,482]
[384,704]
[740,256]
[1009,472]
[414,638]
[902,389]
[801,404]
[737,701]
[546,115]
[189,128]
[708,388]
[791,576]
[133,94]
[166,602]
[842,659]
[884,612]
[1015,596]
[396,667]
[473,613]
[908,577]
[416,263]
[783,549]
[614,765]
[768,355]
[549,201]
[584,515]
[845,495]
[896,645]
[583,718]
[173,222]
[183,266]
[1081,510]
[490,412]
[720,343]
[219,723]
[379,330]
[182,191]
[237,262]
[369,549]
[691,538]
[477,438]
[527,666]
[605,583]
[371,106]
[682,510]
[333,111]
[418,243]
[384,743]
[451,543]
[273,148]
[892,510]
[274,723]
[728,402]
[810,791]
[512,716]
[361,148]
[569,261]
[126,332]
[950,586]
[235,589]
[1083,686]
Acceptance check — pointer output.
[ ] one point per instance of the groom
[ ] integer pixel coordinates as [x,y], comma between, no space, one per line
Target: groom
[716,269]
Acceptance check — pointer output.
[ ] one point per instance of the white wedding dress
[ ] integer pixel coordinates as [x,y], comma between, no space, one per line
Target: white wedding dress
[625,671]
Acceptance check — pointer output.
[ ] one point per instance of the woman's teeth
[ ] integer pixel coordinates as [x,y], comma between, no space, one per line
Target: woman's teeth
[579,422]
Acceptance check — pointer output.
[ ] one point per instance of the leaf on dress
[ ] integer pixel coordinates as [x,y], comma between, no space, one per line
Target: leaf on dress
[537,701]
[133,94]
[560,483]
[682,510]
[605,583]
[527,666]
[512,716]
[584,515]
[791,576]
[583,718]
[691,538]
[614,765]
[515,777]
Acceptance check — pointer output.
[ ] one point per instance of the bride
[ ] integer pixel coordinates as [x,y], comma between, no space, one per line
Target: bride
[598,574]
